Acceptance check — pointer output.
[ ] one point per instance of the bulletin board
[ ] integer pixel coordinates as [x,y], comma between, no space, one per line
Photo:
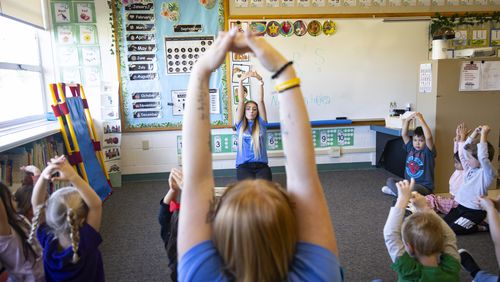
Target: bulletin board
[158,42]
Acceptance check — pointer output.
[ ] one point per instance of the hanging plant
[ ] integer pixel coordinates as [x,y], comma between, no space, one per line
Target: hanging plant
[439,22]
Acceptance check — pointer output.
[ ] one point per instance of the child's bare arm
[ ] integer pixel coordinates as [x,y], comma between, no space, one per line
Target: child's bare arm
[482,153]
[260,100]
[240,111]
[39,195]
[404,131]
[311,209]
[194,227]
[429,141]
[490,207]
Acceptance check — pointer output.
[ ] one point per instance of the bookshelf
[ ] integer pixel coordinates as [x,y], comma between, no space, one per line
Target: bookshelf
[34,146]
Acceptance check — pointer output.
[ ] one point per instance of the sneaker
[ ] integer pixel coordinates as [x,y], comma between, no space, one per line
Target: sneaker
[468,262]
[388,191]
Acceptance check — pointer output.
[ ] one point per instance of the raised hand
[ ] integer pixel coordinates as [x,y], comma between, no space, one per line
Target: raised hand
[404,192]
[487,204]
[176,179]
[61,165]
[485,129]
[216,54]
[269,57]
[32,169]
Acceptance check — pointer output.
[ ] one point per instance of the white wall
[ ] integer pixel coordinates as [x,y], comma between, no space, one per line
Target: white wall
[162,153]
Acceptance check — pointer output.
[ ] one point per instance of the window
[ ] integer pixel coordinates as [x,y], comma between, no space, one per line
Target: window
[22,97]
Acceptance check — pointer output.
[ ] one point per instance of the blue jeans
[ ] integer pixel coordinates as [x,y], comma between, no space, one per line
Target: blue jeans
[483,276]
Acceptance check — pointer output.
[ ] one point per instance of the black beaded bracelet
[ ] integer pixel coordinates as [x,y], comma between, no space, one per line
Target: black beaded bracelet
[278,72]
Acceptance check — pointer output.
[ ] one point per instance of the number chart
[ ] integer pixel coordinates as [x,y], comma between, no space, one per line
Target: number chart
[322,138]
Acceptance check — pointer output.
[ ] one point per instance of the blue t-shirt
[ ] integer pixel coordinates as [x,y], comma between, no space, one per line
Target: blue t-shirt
[310,263]
[58,265]
[246,154]
[420,165]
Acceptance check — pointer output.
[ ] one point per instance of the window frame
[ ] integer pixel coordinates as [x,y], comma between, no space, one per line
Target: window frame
[29,68]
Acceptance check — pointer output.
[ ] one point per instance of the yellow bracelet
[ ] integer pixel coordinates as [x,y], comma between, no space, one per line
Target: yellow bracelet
[287,84]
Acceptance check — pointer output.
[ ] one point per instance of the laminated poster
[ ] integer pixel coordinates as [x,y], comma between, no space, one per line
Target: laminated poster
[272,3]
[470,75]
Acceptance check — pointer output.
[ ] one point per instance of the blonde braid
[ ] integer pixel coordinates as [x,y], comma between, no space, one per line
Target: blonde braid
[34,224]
[74,233]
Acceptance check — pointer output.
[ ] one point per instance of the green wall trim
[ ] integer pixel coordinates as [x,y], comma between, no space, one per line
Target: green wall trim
[163,176]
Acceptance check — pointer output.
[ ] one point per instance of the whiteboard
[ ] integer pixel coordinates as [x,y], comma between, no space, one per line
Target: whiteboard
[354,73]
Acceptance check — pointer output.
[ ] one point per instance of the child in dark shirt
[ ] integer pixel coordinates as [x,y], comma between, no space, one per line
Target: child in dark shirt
[420,158]
[168,217]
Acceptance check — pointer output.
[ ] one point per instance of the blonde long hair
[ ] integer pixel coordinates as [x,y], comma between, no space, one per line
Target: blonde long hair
[255,131]
[65,214]
[424,233]
[255,231]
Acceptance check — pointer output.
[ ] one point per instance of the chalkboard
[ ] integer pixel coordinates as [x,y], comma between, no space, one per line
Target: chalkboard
[354,73]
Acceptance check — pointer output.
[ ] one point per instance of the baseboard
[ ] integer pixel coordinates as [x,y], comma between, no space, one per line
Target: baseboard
[163,176]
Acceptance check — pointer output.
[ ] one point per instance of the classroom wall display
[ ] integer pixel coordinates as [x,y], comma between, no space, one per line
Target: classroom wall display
[260,8]
[76,46]
[159,41]
[322,138]
[355,72]
[480,76]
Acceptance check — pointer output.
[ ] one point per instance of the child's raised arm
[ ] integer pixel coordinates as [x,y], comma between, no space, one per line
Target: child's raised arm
[482,156]
[194,226]
[392,227]
[240,109]
[89,196]
[429,141]
[404,131]
[303,184]
[494,221]
[260,99]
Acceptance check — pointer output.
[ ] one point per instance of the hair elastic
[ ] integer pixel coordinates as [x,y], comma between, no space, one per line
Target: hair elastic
[278,72]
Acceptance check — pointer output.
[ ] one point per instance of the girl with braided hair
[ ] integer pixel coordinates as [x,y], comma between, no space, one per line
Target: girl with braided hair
[67,225]
[21,260]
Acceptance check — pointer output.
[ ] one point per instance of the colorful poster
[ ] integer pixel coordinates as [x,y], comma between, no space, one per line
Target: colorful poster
[303,3]
[70,75]
[470,74]
[90,56]
[241,3]
[287,3]
[160,42]
[85,12]
[479,38]
[495,37]
[272,3]
[61,12]
[334,3]
[318,3]
[65,34]
[257,3]
[91,76]
[67,56]
[88,34]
